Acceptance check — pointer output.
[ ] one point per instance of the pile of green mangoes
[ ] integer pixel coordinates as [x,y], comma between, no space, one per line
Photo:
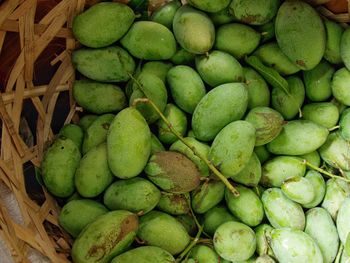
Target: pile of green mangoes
[215,131]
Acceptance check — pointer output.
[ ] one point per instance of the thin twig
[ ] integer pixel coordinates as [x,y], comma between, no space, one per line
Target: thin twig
[318,169]
[190,246]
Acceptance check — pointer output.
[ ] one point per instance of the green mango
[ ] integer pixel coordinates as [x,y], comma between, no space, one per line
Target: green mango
[336,192]
[173,172]
[314,158]
[209,118]
[340,86]
[164,231]
[96,133]
[210,6]
[200,147]
[281,168]
[258,90]
[343,220]
[128,152]
[298,137]
[294,246]
[344,124]
[93,176]
[267,31]
[265,259]
[234,241]
[300,34]
[158,68]
[106,237]
[320,226]
[156,145]
[182,57]
[347,246]
[336,151]
[281,211]
[207,195]
[251,173]
[158,42]
[174,204]
[267,122]
[318,81]
[272,56]
[215,217]
[74,196]
[262,153]
[186,86]
[344,48]
[178,121]
[86,121]
[322,113]
[58,167]
[109,64]
[345,257]
[203,254]
[237,39]
[299,189]
[193,30]
[263,234]
[334,33]
[218,68]
[289,104]
[102,24]
[189,223]
[154,89]
[136,195]
[165,14]
[319,186]
[146,254]
[232,147]
[73,132]
[247,207]
[254,12]
[77,214]
[221,17]
[98,97]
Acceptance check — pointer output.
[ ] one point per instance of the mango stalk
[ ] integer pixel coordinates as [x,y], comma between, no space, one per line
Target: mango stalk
[328,174]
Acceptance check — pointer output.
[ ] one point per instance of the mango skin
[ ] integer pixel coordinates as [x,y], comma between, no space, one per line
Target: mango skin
[86,121]
[224,104]
[313,158]
[323,113]
[343,220]
[193,30]
[135,195]
[263,233]
[344,48]
[202,253]
[102,24]
[146,254]
[105,238]
[340,86]
[262,153]
[165,14]
[128,152]
[73,132]
[222,17]
[344,124]
[251,173]
[209,6]
[215,217]
[294,246]
[157,68]
[298,137]
[189,223]
[298,189]
[182,57]
[164,231]
[98,97]
[77,214]
[232,147]
[298,21]
[174,204]
[281,211]
[109,64]
[320,226]
[334,33]
[319,185]
[186,86]
[156,145]
[58,167]
[93,176]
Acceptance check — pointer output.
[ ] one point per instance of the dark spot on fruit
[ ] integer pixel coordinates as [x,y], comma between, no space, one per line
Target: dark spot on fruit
[300,62]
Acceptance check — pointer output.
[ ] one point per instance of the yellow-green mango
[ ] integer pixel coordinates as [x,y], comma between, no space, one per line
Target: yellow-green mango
[232,147]
[149,40]
[158,68]
[193,30]
[73,132]
[298,189]
[210,6]
[319,186]
[344,124]
[298,137]
[106,237]
[344,48]
[219,107]
[265,259]
[318,81]
[77,214]
[262,153]
[340,86]
[254,12]
[174,204]
[237,39]
[251,173]
[314,158]
[164,231]
[145,254]
[263,233]
[203,253]
[221,17]
[215,217]
[136,195]
[109,64]
[218,68]
[96,133]
[156,145]
[93,175]
[272,56]
[322,113]
[300,34]
[98,97]
[128,150]
[334,33]
[86,121]
[165,14]
[186,86]
[182,57]
[102,24]
[58,167]
[343,226]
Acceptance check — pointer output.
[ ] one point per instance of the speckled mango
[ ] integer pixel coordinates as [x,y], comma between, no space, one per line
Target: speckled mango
[73,132]
[174,204]
[251,173]
[298,189]
[215,217]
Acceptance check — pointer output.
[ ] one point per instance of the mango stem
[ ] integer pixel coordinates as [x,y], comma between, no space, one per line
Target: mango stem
[334,128]
[190,246]
[318,169]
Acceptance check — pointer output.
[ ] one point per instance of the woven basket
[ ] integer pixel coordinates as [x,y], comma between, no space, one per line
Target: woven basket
[36,77]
